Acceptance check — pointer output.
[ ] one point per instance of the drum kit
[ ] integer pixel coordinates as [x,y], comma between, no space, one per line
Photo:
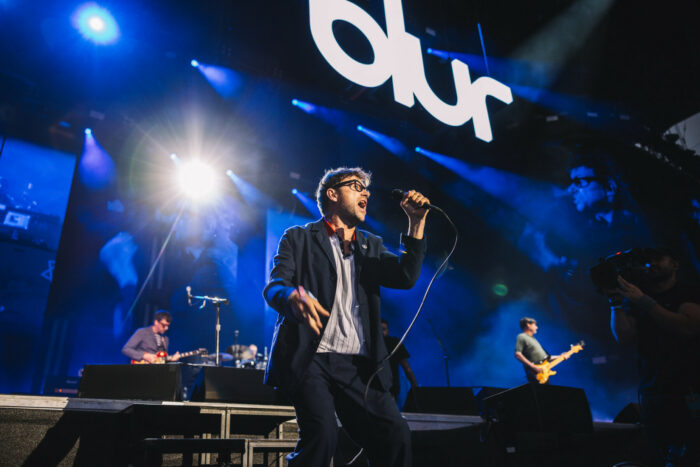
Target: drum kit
[242,356]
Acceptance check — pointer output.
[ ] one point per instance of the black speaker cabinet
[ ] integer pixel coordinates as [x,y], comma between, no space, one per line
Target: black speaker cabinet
[148,382]
[630,414]
[445,400]
[536,407]
[239,385]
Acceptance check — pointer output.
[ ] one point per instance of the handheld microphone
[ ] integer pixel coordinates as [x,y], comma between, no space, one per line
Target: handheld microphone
[398,195]
[189,295]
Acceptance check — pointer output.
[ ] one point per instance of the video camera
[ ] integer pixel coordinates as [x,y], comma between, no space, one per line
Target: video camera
[632,265]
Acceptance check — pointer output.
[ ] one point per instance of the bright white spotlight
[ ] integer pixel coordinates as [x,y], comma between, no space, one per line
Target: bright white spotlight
[96,24]
[197,180]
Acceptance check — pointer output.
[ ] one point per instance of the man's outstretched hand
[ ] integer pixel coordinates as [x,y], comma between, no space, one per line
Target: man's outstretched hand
[307,309]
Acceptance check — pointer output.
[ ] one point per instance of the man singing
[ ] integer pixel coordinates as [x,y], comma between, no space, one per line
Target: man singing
[328,341]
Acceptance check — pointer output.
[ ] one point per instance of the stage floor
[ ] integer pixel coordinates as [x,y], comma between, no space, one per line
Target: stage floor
[29,427]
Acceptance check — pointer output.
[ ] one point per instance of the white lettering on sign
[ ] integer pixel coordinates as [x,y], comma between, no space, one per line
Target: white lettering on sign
[398,55]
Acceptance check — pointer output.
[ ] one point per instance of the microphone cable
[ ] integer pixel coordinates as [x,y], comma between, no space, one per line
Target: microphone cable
[440,269]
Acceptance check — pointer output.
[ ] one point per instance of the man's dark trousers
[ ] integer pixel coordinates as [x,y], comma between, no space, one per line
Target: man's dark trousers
[335,383]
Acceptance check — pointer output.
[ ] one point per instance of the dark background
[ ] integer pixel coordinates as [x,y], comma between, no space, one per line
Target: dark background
[596,79]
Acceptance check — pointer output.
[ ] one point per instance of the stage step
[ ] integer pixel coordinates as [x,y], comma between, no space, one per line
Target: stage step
[267,446]
[154,447]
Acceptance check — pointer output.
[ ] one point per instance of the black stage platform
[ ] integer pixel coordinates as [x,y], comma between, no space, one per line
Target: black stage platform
[45,430]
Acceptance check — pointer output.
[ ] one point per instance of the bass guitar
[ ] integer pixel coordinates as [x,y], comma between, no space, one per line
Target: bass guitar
[163,357]
[547,365]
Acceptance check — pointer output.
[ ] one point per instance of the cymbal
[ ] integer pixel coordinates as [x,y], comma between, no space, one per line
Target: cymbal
[223,356]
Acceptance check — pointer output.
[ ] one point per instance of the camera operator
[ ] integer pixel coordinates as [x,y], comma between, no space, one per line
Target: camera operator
[662,316]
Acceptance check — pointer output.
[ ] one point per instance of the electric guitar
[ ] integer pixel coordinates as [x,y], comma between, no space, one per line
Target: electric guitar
[547,366]
[163,357]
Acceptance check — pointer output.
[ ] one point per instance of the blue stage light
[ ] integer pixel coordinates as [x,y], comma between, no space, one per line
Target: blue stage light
[250,193]
[96,168]
[305,106]
[389,143]
[194,63]
[96,24]
[418,149]
[307,201]
[439,53]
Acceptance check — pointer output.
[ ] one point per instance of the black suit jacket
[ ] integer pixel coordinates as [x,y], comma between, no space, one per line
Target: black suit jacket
[304,257]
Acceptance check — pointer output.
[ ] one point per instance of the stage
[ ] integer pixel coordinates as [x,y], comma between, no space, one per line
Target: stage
[75,431]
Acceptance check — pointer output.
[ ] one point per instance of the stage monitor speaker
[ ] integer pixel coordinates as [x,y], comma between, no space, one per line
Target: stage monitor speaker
[481,393]
[536,407]
[445,400]
[239,385]
[149,382]
[630,414]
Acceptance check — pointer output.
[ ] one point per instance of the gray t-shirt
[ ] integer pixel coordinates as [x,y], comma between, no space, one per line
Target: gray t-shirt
[530,348]
[144,340]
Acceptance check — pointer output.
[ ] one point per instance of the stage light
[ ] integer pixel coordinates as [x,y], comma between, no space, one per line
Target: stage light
[96,24]
[419,149]
[226,82]
[307,201]
[439,53]
[250,193]
[96,168]
[389,143]
[197,180]
[305,106]
[500,289]
[176,160]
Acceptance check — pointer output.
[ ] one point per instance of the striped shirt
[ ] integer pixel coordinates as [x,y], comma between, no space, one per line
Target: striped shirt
[343,333]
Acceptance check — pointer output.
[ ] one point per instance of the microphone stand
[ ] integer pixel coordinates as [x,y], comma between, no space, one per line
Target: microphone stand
[217,301]
[445,355]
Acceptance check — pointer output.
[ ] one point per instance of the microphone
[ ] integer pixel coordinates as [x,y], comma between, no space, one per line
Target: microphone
[189,295]
[398,195]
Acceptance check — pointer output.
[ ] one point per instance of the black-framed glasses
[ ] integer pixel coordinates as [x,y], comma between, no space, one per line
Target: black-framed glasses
[354,184]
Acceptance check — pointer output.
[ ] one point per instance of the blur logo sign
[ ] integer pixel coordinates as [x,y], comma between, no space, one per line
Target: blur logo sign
[398,55]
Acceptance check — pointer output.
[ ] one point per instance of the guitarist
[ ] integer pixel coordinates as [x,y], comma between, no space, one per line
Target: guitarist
[528,350]
[146,342]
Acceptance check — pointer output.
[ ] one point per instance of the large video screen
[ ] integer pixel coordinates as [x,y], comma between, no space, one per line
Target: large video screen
[35,185]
